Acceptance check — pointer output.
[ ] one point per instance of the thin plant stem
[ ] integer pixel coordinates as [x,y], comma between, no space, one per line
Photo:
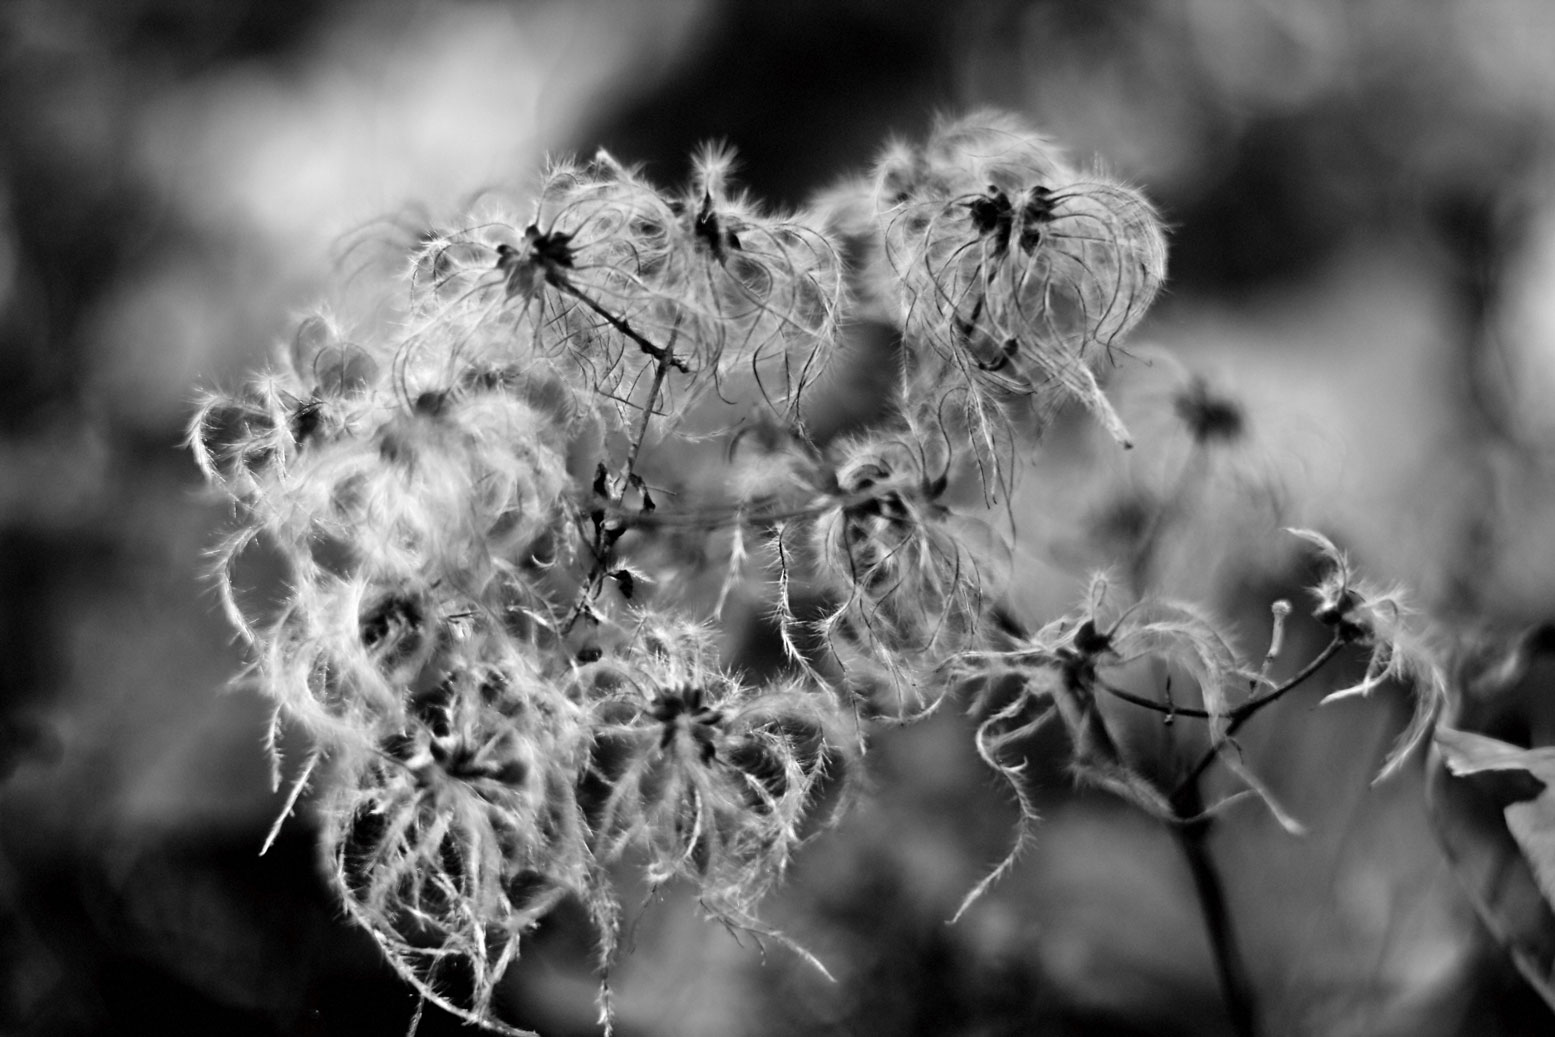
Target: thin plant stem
[665,355]
[1192,833]
[664,358]
[1192,837]
[1236,987]
[1245,712]
[1238,716]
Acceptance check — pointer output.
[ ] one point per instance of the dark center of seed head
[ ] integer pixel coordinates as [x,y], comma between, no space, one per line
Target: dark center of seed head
[1210,418]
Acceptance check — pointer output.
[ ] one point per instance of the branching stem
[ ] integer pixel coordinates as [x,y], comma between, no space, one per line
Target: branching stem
[1238,716]
[665,355]
[664,358]
[1245,712]
[1188,802]
[1192,832]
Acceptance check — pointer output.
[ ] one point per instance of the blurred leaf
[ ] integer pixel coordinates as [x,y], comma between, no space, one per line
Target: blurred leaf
[1506,863]
[1532,821]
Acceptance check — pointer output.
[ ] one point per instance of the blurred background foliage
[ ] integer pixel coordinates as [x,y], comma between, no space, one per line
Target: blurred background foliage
[1363,256]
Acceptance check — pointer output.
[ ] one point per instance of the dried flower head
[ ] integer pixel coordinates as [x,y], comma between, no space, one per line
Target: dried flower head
[708,777]
[1016,275]
[1403,649]
[1199,496]
[910,574]
[762,291]
[460,831]
[1063,669]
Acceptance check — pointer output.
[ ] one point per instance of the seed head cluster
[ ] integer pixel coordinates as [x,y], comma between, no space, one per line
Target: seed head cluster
[519,494]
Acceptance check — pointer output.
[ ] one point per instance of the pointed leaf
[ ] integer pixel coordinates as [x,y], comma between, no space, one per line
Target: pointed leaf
[1531,821]
[1504,864]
